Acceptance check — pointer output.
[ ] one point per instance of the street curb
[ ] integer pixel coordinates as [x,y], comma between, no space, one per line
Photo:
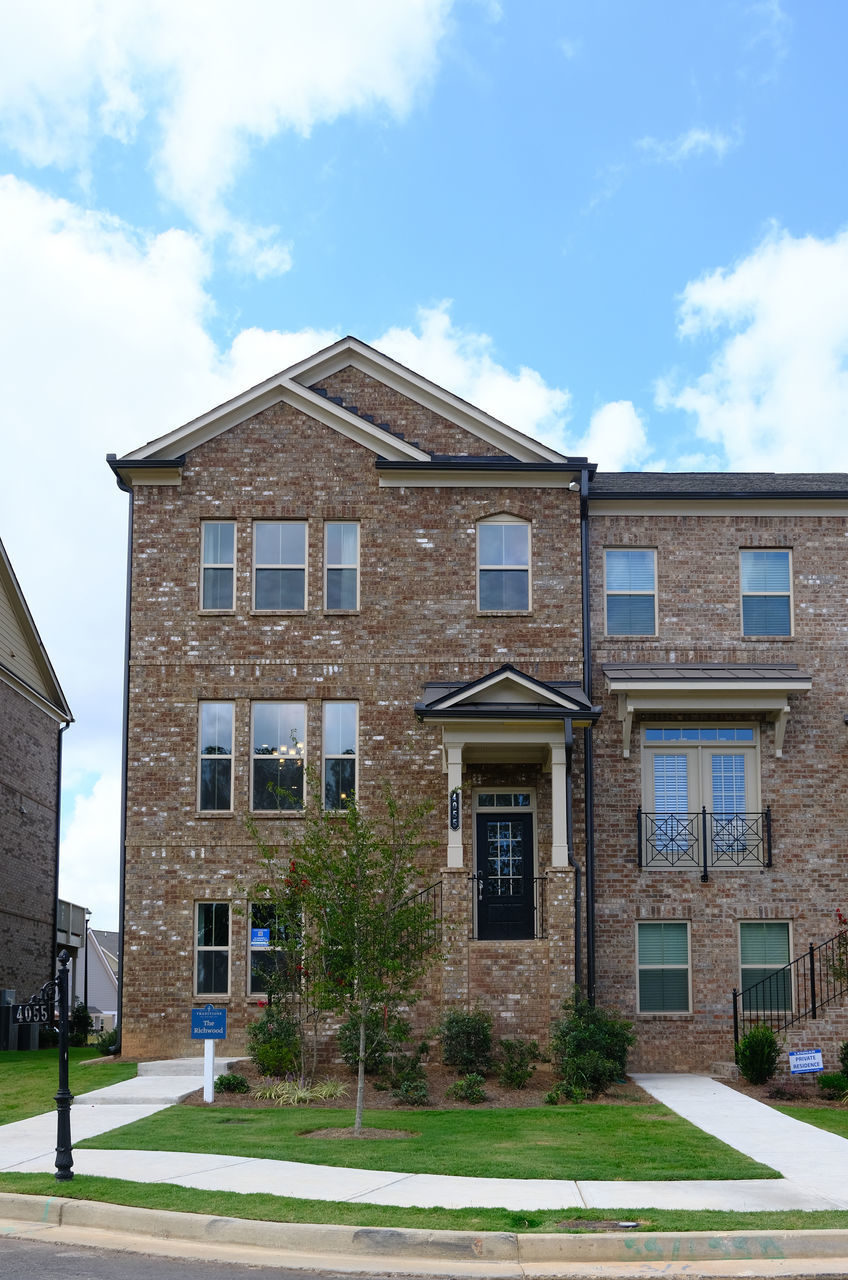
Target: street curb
[644,1248]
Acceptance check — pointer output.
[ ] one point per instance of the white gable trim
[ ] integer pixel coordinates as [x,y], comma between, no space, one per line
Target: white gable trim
[291,387]
[471,697]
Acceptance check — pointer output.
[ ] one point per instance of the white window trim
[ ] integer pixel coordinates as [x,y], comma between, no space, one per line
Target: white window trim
[217,995]
[207,702]
[204,564]
[278,702]
[663,1013]
[780,595]
[253,995]
[505,519]
[742,968]
[263,565]
[325,755]
[328,565]
[611,591]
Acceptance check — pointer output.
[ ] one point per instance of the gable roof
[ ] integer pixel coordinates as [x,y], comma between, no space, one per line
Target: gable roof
[296,386]
[507,694]
[24,664]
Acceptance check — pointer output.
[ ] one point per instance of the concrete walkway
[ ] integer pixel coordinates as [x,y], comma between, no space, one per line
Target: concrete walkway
[814,1163]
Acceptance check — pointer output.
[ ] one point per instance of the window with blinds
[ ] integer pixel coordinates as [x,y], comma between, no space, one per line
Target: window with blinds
[766,578]
[763,953]
[631,602]
[663,965]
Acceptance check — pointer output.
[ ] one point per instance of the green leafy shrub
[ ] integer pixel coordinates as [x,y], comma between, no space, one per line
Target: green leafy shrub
[588,1049]
[412,1093]
[757,1054]
[273,1041]
[469,1089]
[80,1023]
[843,1057]
[516,1062]
[384,1036]
[467,1040]
[231,1082]
[107,1041]
[833,1085]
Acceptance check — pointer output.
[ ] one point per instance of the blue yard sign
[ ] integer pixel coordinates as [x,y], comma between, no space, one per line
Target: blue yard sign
[805,1060]
[209,1023]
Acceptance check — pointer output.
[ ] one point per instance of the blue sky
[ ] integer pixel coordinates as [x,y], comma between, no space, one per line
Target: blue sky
[619,226]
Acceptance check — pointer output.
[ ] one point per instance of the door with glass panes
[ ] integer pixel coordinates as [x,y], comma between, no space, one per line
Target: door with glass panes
[504,879]
[689,769]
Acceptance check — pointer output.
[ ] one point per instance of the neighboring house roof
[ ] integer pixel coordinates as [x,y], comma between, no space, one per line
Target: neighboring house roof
[24,663]
[109,942]
[723,484]
[298,386]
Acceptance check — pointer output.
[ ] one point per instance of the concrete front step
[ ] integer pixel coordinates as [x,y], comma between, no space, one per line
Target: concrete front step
[186,1066]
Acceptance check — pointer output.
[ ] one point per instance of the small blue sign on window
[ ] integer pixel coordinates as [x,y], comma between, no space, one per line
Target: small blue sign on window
[209,1023]
[260,939]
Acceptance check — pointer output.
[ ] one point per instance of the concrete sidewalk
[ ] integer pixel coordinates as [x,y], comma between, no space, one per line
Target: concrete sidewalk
[814,1163]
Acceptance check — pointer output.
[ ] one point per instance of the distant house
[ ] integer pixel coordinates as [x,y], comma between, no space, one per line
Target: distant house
[96,976]
[33,715]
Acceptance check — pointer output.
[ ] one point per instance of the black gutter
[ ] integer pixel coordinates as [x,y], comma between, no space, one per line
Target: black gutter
[119,1021]
[59,740]
[588,743]
[711,495]
[141,464]
[568,735]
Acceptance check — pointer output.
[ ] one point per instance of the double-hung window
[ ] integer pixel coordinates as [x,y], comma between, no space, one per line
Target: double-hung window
[766,593]
[663,966]
[763,953]
[218,564]
[503,565]
[340,734]
[341,565]
[215,783]
[278,756]
[268,948]
[631,591]
[212,949]
[279,565]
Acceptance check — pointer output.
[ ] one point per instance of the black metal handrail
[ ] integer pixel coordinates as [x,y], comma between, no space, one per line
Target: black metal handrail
[538,905]
[795,992]
[428,928]
[703,840]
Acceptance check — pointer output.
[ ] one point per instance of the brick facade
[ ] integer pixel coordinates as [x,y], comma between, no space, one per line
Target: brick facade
[419,627]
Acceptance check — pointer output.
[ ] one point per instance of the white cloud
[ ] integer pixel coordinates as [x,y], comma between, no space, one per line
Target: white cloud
[462,362]
[775,394]
[202,82]
[88,868]
[695,142]
[616,438]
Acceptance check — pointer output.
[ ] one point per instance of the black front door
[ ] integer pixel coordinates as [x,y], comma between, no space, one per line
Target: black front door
[505,875]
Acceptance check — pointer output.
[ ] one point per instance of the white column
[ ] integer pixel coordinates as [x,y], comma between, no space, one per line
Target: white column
[559,847]
[454,756]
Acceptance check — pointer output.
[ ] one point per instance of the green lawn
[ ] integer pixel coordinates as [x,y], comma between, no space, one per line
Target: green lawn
[830,1118]
[268,1208]
[598,1142]
[29,1078]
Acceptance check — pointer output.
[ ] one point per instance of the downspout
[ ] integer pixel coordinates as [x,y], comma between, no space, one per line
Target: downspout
[51,970]
[568,734]
[588,742]
[119,1019]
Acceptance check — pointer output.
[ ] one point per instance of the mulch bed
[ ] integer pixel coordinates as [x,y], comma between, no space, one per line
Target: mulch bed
[439,1079]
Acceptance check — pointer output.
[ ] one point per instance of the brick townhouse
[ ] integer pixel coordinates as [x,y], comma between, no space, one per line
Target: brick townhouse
[33,715]
[621,692]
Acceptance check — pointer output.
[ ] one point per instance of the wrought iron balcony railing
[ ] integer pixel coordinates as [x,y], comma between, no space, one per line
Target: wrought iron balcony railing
[706,841]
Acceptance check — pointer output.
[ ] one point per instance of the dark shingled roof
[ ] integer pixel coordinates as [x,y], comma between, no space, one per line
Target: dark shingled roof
[703,484]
